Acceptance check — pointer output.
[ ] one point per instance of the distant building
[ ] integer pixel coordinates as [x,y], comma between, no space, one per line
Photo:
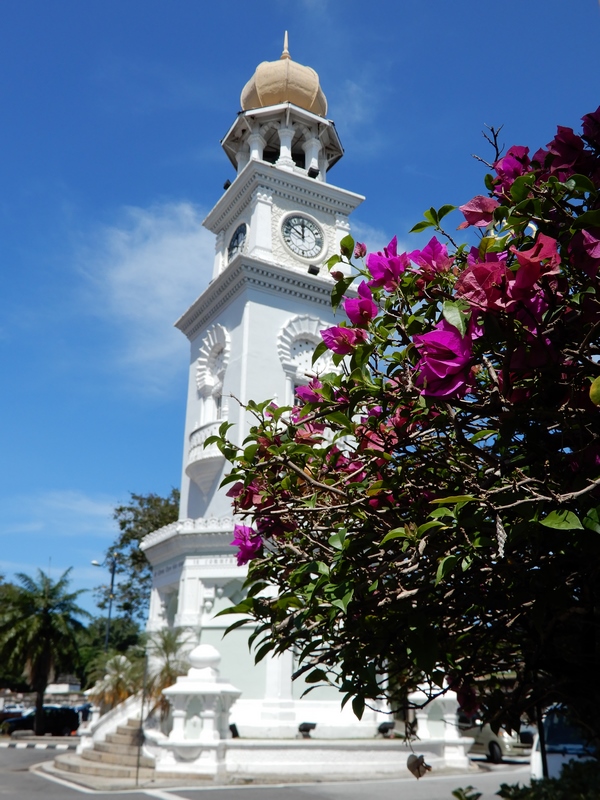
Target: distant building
[252,333]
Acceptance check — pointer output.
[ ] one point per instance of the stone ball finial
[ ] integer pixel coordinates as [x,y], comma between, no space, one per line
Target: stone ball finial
[284,81]
[205,655]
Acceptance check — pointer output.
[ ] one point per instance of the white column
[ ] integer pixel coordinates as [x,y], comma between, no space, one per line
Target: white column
[312,149]
[285,159]
[242,157]
[257,145]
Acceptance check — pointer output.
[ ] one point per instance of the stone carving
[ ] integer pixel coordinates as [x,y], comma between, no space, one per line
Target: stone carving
[295,345]
[212,361]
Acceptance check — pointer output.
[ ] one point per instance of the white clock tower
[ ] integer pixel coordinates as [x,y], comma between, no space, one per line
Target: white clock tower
[252,333]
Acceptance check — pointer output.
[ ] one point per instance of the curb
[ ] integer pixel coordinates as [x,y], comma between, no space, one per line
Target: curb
[37,746]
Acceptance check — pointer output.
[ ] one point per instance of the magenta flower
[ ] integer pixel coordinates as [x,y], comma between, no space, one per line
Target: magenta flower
[433,258]
[541,259]
[362,309]
[308,394]
[343,340]
[386,268]
[360,250]
[585,249]
[248,542]
[445,363]
[566,147]
[478,212]
[511,166]
[485,284]
[591,127]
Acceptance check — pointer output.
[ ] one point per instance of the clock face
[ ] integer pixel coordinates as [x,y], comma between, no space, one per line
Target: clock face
[236,243]
[302,236]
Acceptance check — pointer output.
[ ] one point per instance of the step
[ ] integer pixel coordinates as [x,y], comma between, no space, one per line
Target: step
[117,749]
[119,740]
[120,759]
[76,764]
[128,731]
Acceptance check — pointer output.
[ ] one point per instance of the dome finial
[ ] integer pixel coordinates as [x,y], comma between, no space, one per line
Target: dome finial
[286,52]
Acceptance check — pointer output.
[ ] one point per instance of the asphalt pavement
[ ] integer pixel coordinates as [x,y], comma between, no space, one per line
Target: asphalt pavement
[19,782]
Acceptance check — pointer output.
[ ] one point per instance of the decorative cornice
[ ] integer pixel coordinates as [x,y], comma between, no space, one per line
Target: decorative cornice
[183,527]
[246,272]
[300,189]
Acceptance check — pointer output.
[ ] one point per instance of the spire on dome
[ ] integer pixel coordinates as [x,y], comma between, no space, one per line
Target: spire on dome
[286,52]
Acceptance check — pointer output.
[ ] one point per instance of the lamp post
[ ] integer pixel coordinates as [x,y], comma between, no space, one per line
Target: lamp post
[112,562]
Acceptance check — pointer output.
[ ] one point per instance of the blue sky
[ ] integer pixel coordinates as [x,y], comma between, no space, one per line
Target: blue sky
[112,112]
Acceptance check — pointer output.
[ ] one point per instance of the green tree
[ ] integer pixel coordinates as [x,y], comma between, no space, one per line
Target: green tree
[39,622]
[166,662]
[430,512]
[144,514]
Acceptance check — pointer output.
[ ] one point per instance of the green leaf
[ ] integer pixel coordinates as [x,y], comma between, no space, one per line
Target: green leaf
[331,262]
[429,525]
[590,219]
[445,566]
[421,226]
[358,706]
[339,291]
[444,210]
[315,676]
[347,246]
[454,315]
[595,391]
[562,520]
[477,437]
[431,215]
[519,190]
[580,183]
[397,533]
[457,498]
[319,350]
[591,521]
[337,539]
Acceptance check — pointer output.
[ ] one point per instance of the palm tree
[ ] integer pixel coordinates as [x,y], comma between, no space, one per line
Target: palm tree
[38,627]
[117,678]
[167,660]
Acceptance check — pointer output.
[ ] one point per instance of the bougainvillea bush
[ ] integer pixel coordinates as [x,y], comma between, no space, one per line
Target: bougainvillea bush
[430,513]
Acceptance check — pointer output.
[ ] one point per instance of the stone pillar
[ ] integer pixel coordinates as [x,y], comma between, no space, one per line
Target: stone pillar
[312,149]
[257,146]
[285,159]
[260,233]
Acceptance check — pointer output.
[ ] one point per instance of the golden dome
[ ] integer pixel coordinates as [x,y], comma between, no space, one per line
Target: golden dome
[284,81]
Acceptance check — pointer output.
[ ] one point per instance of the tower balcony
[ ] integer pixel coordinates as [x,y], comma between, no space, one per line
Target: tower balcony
[204,463]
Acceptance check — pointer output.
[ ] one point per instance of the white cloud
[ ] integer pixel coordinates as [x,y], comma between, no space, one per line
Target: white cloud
[356,109]
[144,271]
[57,514]
[375,238]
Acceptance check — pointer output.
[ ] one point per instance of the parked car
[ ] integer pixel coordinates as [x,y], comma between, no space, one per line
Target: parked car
[10,712]
[495,746]
[564,742]
[58,721]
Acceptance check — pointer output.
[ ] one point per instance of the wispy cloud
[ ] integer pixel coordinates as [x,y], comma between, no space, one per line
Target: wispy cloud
[143,272]
[53,530]
[57,513]
[375,238]
[357,109]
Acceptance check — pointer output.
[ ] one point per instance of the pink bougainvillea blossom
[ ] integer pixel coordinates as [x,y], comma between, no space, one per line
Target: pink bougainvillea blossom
[343,340]
[309,393]
[360,250]
[585,249]
[591,127]
[479,211]
[484,283]
[567,149]
[248,542]
[387,268]
[432,259]
[245,496]
[541,259]
[361,309]
[511,166]
[444,369]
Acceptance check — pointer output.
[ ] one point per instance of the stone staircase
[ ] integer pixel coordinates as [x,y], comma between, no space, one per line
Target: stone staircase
[116,757]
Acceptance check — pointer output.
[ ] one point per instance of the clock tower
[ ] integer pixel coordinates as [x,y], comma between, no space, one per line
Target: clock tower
[252,333]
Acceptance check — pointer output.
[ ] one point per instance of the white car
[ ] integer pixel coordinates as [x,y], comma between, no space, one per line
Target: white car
[495,746]
[564,742]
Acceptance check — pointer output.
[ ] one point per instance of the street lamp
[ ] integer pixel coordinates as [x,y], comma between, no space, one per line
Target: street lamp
[112,562]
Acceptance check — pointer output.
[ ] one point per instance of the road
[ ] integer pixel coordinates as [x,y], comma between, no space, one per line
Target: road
[18,783]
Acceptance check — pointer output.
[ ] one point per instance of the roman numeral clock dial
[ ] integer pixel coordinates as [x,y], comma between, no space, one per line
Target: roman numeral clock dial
[302,236]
